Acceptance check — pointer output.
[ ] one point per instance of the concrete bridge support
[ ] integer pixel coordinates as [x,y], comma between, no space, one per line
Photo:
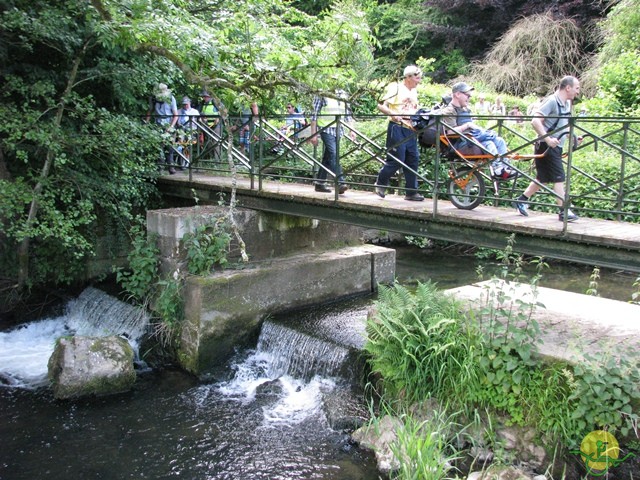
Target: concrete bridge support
[294,262]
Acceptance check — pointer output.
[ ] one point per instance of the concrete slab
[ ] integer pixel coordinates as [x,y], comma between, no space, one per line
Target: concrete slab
[266,235]
[224,309]
[571,324]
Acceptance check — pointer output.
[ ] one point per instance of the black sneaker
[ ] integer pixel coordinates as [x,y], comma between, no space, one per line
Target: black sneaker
[321,187]
[571,217]
[521,207]
[380,190]
[343,188]
[414,197]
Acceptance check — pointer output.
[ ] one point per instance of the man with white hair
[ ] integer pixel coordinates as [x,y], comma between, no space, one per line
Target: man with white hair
[399,102]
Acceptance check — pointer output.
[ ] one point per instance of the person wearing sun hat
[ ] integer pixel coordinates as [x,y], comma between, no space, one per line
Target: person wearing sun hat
[399,102]
[163,108]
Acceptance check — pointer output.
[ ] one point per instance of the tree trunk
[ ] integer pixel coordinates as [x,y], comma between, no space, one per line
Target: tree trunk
[23,248]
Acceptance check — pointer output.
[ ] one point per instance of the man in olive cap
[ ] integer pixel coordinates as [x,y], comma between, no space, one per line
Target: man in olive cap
[458,116]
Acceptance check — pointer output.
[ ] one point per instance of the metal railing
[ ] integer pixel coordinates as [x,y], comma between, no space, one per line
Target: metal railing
[604,168]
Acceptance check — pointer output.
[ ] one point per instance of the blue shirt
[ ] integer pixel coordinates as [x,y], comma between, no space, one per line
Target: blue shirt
[163,111]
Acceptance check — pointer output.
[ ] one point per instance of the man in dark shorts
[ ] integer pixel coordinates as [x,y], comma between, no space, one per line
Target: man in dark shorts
[551,114]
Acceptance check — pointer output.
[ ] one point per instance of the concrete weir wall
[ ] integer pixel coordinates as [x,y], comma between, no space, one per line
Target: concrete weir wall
[294,263]
[221,310]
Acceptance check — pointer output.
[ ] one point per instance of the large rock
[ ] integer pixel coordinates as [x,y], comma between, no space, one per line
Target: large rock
[81,366]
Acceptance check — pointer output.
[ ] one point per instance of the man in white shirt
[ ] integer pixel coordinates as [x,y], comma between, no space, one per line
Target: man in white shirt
[399,102]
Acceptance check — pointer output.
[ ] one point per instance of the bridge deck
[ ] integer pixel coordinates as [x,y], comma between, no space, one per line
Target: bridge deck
[591,241]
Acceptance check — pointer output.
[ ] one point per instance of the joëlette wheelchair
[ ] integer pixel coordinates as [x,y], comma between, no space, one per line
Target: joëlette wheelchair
[468,165]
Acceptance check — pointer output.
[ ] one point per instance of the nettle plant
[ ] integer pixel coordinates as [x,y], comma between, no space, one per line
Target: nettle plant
[565,401]
[139,279]
[207,246]
[507,361]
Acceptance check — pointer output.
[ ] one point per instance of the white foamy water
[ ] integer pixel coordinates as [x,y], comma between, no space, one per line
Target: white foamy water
[298,399]
[297,370]
[25,350]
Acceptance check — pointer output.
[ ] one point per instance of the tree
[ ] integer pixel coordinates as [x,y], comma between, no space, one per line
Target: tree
[76,78]
[616,67]
[66,158]
[533,55]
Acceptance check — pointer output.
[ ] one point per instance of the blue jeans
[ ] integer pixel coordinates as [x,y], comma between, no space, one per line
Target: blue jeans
[329,157]
[491,141]
[402,144]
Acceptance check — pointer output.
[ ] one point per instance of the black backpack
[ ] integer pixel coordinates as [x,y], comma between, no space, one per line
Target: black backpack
[424,122]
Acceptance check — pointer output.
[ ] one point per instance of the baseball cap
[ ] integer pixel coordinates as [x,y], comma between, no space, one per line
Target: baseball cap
[186,100]
[461,87]
[412,70]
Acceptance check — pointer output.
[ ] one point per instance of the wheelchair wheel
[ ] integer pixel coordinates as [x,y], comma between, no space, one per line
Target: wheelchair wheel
[466,191]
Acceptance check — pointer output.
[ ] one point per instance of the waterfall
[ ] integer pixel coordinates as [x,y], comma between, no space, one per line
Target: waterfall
[299,355]
[96,314]
[25,349]
[288,375]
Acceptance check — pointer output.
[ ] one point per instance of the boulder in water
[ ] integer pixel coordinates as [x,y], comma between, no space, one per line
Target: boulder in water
[81,366]
[269,391]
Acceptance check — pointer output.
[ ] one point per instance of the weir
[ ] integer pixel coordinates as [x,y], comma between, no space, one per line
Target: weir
[294,263]
[299,355]
[25,350]
[95,313]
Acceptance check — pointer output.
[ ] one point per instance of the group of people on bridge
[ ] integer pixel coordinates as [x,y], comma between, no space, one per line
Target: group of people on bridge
[400,102]
[550,120]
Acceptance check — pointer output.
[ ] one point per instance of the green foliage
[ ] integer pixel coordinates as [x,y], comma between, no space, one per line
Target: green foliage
[615,68]
[620,30]
[169,308]
[71,164]
[80,75]
[635,296]
[593,282]
[620,80]
[424,447]
[423,345]
[420,242]
[206,246]
[606,167]
[140,278]
[418,345]
[169,303]
[604,388]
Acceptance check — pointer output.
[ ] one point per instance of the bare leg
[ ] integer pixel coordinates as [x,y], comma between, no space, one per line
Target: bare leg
[559,189]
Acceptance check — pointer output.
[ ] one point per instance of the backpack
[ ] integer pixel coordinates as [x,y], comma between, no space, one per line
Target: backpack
[423,122]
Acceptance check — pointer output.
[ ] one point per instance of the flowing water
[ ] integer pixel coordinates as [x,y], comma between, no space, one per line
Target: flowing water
[262,417]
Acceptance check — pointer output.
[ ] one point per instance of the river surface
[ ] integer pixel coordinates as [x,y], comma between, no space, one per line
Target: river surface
[172,426]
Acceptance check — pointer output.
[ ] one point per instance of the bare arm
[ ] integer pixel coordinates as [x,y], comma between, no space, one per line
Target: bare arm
[537,122]
[384,108]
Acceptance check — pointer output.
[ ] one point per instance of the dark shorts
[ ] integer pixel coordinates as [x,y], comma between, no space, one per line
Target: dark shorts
[549,168]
